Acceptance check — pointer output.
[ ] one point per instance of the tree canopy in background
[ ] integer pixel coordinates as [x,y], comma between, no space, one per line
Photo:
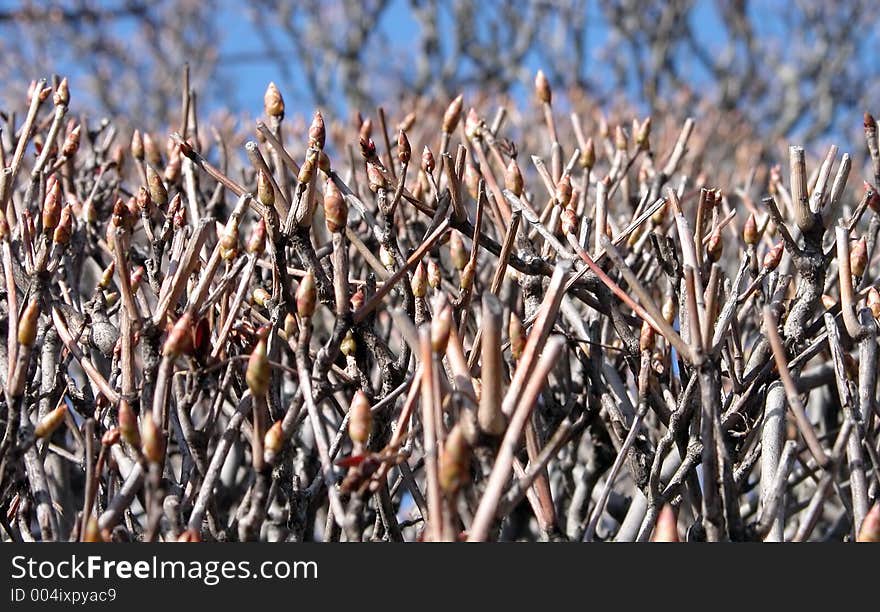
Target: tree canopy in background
[802,67]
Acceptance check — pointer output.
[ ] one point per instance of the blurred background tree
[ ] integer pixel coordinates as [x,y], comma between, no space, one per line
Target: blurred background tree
[796,68]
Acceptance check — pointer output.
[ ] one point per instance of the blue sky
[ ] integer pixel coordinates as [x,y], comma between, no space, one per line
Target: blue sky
[250,70]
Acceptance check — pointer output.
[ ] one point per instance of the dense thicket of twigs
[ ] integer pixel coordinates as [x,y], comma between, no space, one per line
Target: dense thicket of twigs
[519,327]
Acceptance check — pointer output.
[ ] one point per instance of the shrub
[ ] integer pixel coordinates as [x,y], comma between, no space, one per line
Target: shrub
[428,331]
